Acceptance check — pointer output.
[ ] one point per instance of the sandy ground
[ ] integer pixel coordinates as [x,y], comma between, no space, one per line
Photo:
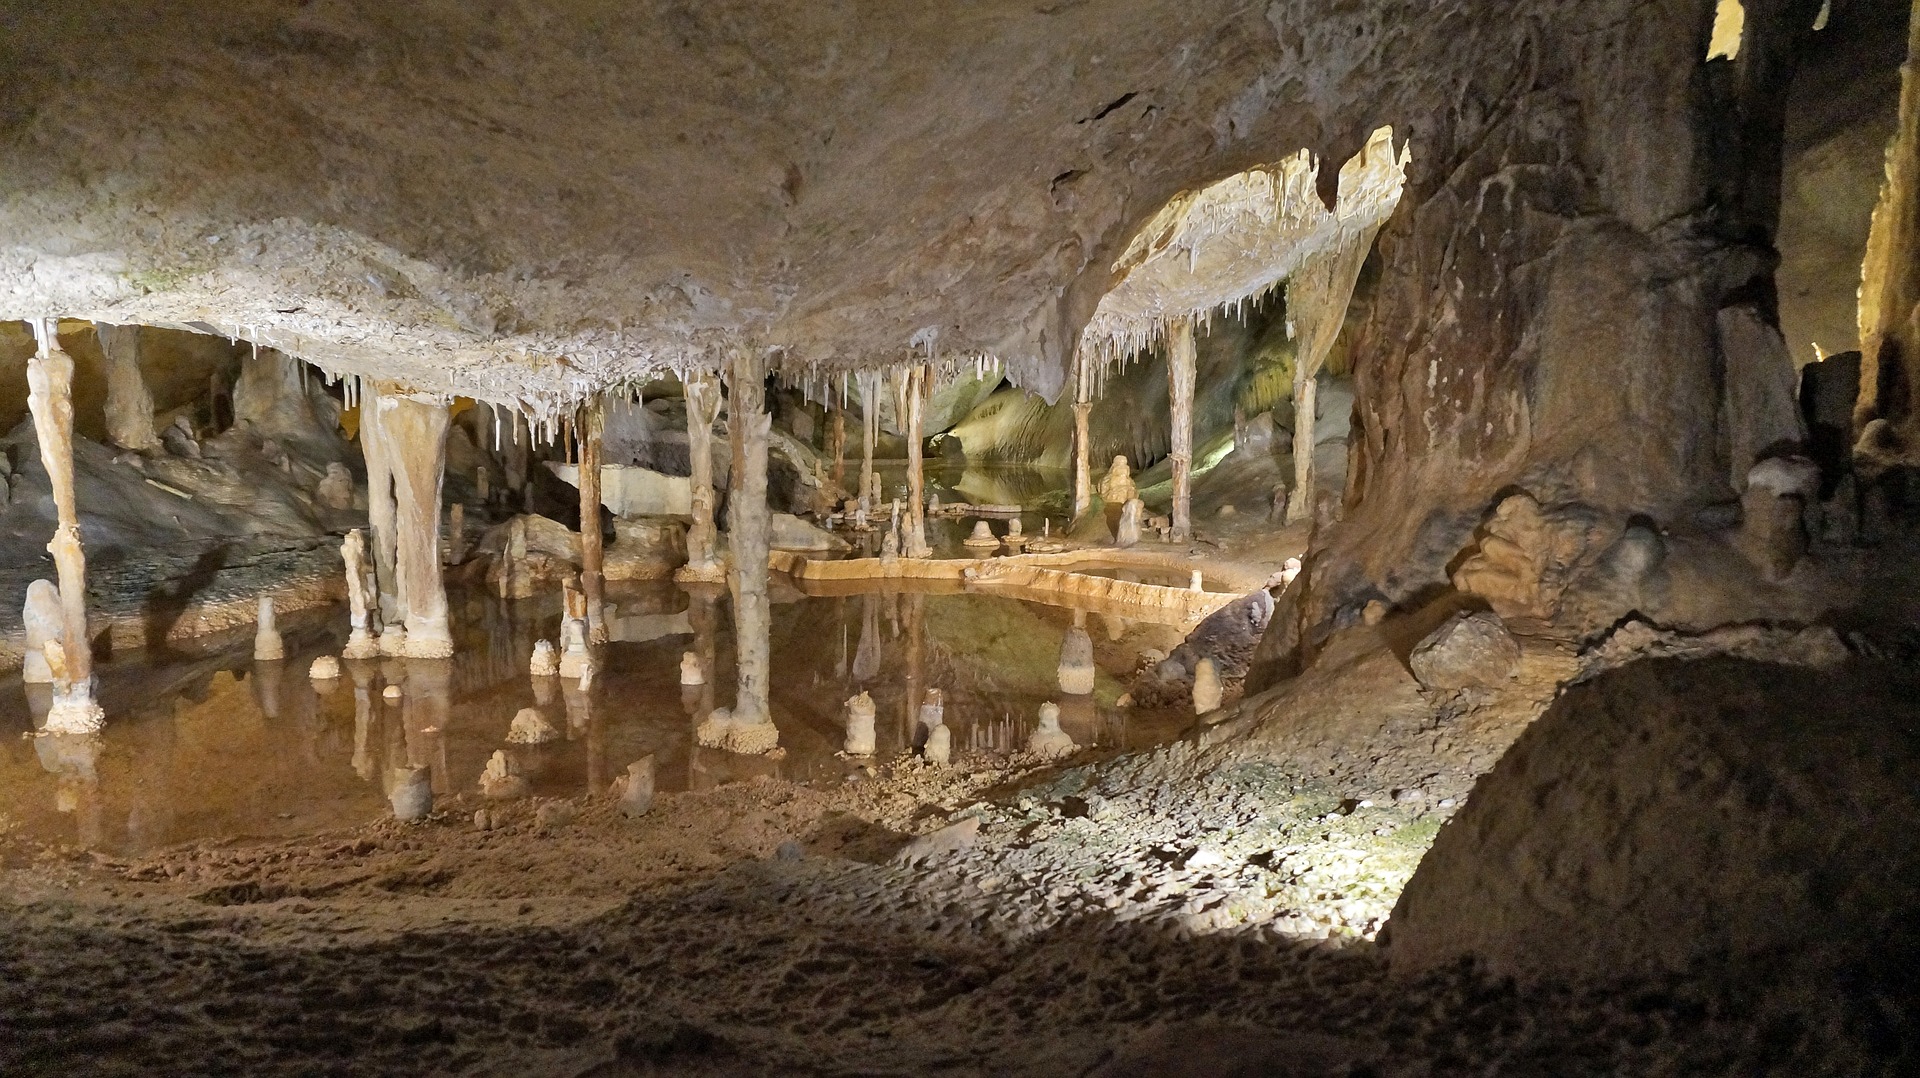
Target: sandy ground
[1183,911]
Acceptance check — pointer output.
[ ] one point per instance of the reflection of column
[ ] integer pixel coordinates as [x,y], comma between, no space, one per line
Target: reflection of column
[413,430]
[1080,719]
[916,619]
[866,654]
[266,688]
[50,399]
[918,378]
[703,407]
[362,674]
[748,518]
[425,711]
[1180,374]
[592,572]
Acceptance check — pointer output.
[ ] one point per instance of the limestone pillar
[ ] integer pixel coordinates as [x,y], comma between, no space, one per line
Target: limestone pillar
[129,405]
[70,658]
[1890,277]
[593,575]
[918,377]
[1082,460]
[381,519]
[413,434]
[1180,375]
[1305,392]
[703,407]
[748,519]
[869,434]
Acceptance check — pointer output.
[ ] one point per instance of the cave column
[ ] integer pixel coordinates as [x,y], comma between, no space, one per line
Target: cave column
[413,434]
[50,399]
[590,424]
[1889,312]
[918,377]
[1318,294]
[381,521]
[869,434]
[748,519]
[1305,393]
[837,446]
[1180,375]
[129,404]
[703,407]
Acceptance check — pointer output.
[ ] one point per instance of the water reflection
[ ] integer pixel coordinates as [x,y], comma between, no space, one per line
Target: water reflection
[216,745]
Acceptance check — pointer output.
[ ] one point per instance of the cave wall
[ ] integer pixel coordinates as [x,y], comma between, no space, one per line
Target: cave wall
[1572,292]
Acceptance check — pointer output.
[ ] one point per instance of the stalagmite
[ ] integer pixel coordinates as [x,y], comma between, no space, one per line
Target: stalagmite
[324,668]
[1131,515]
[335,489]
[860,739]
[576,660]
[545,663]
[592,554]
[751,728]
[918,387]
[360,641]
[1048,741]
[982,537]
[413,433]
[412,793]
[382,522]
[635,791]
[44,623]
[1076,670]
[1206,687]
[939,746]
[267,645]
[690,671]
[69,659]
[129,405]
[1180,375]
[502,778]
[703,407]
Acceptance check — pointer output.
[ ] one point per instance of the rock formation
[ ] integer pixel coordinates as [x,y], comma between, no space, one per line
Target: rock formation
[634,790]
[501,779]
[1206,687]
[751,728]
[529,727]
[335,489]
[1467,651]
[324,668]
[691,672]
[1128,533]
[982,537]
[1117,487]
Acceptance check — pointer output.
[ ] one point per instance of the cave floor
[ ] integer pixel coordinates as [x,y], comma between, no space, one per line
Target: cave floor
[1144,907]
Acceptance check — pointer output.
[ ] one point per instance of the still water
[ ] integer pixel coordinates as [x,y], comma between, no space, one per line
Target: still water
[209,744]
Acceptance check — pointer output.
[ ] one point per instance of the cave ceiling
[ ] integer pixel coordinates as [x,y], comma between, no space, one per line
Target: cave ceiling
[529,200]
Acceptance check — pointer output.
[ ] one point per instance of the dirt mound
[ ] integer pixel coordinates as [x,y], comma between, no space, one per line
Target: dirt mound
[1670,812]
